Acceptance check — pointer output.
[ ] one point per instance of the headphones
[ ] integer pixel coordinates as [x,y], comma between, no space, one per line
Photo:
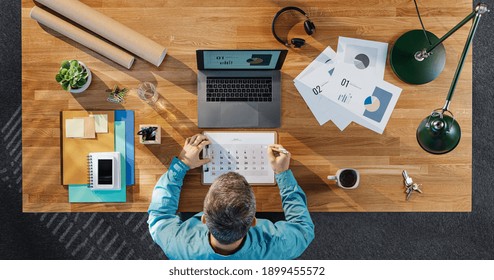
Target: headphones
[308,26]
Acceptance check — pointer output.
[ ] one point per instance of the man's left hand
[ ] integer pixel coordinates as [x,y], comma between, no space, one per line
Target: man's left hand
[191,150]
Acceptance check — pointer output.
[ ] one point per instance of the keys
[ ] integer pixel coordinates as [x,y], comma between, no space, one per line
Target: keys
[408,191]
[408,180]
[416,187]
[410,185]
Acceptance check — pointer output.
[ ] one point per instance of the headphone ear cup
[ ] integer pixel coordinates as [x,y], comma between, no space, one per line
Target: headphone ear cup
[309,27]
[297,42]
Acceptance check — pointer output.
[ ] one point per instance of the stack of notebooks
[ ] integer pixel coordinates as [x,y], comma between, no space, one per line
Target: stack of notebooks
[75,150]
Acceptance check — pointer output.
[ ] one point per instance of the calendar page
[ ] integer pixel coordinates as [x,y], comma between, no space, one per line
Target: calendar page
[241,152]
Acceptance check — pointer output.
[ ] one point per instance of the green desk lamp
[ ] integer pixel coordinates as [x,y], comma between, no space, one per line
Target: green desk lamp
[418,56]
[440,133]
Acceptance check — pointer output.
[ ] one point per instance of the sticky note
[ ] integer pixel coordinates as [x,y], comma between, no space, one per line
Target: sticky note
[89,127]
[74,128]
[101,123]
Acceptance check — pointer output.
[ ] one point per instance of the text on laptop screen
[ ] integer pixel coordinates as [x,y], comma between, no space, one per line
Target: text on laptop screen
[241,60]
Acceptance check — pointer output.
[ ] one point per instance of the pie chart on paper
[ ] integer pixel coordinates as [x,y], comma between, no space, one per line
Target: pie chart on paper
[361,61]
[372,103]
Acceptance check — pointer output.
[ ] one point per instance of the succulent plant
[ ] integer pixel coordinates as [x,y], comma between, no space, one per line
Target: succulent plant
[71,75]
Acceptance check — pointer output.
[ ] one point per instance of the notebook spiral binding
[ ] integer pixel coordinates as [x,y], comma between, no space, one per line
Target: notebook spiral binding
[90,170]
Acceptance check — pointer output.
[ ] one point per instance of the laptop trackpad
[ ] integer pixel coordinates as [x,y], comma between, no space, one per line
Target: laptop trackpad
[239,115]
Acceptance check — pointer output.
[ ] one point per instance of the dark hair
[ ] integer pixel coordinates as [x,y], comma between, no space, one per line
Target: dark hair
[230,208]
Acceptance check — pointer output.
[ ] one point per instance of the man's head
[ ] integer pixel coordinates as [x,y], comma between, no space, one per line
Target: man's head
[229,208]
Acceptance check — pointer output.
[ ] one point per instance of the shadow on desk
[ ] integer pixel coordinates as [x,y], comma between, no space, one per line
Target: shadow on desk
[94,98]
[177,121]
[176,72]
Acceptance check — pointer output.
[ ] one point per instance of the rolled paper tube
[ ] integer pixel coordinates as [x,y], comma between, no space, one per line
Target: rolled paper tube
[109,29]
[84,38]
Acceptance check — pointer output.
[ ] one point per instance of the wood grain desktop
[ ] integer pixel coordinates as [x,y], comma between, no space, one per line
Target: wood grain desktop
[318,151]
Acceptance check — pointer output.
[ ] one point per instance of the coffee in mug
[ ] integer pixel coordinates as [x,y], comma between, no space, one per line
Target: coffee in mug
[346,178]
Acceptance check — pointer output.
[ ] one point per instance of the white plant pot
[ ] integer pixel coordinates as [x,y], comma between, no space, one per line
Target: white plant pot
[88,82]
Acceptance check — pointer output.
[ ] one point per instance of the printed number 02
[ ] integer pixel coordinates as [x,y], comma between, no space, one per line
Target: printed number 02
[316,90]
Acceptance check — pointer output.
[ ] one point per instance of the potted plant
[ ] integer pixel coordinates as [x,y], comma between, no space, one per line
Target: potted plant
[74,76]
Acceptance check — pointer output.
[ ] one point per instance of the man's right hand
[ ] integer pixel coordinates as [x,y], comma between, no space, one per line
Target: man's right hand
[279,158]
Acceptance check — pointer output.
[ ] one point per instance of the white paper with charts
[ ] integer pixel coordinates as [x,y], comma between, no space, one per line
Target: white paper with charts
[241,152]
[357,83]
[322,108]
[348,86]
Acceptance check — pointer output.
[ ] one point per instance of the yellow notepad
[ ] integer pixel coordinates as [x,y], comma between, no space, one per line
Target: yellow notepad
[75,150]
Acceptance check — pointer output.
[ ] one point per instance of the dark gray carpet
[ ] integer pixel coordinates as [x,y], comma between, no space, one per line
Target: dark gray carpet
[338,235]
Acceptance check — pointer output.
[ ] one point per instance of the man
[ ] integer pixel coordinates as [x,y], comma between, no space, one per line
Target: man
[228,229]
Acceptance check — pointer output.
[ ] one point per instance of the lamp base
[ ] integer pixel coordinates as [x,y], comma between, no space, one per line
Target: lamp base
[407,67]
[438,135]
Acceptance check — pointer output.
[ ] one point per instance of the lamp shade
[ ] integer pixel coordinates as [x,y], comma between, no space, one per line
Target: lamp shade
[438,133]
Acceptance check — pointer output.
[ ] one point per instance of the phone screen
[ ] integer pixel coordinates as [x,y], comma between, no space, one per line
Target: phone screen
[105,168]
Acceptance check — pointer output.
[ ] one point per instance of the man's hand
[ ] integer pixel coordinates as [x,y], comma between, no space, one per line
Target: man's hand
[192,148]
[279,158]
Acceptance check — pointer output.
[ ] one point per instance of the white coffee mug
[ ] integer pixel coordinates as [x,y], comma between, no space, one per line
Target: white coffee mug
[346,178]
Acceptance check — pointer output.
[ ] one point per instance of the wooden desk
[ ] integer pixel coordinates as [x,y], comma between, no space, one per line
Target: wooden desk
[318,151]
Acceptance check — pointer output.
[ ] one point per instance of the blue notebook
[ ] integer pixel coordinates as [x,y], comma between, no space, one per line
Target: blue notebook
[128,117]
[81,193]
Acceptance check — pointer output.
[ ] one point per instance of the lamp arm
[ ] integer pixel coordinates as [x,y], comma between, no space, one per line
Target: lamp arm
[453,30]
[461,62]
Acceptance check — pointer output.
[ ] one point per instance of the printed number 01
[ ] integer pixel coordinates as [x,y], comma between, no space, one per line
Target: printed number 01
[316,90]
[345,82]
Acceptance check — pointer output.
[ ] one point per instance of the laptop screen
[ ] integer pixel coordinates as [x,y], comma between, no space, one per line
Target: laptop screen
[240,59]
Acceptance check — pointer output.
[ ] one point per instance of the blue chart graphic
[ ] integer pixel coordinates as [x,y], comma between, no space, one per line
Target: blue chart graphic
[376,105]
[372,103]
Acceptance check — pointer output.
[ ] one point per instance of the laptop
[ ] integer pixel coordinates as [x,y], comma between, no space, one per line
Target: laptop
[239,88]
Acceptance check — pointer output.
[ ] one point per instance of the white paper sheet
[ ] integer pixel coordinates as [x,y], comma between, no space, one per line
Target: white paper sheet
[379,106]
[363,58]
[324,109]
[242,152]
[357,84]
[321,108]
[348,86]
[323,58]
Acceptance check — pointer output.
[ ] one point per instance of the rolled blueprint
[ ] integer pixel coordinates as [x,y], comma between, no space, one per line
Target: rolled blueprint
[109,29]
[75,33]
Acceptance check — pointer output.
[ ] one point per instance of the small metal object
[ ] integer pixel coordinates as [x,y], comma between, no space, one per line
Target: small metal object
[410,185]
[421,55]
[283,151]
[408,181]
[416,187]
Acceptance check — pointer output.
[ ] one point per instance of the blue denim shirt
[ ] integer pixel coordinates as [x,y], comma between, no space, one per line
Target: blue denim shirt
[190,239]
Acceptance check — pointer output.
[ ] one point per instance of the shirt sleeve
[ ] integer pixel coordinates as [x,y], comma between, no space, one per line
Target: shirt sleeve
[163,220]
[297,232]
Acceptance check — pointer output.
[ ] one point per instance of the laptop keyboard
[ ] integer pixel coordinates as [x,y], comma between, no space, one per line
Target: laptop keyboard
[239,89]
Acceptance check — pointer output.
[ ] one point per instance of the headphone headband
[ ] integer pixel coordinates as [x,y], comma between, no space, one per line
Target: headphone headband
[289,8]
